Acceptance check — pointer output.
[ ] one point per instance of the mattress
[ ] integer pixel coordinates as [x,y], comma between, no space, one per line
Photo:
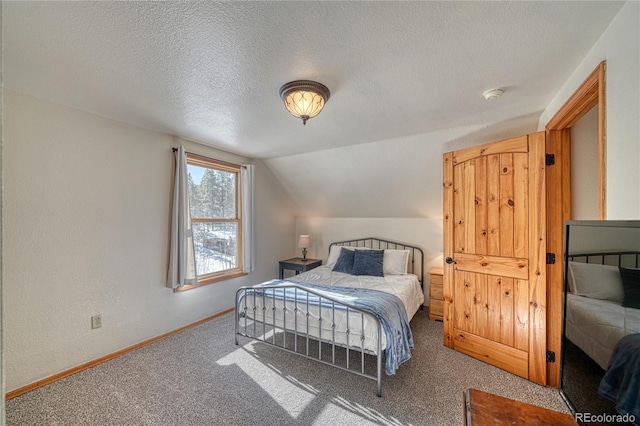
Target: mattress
[595,325]
[405,287]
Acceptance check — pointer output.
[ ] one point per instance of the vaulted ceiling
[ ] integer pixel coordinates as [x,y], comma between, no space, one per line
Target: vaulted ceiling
[211,71]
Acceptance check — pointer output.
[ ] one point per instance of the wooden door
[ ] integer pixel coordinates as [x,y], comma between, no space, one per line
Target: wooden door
[495,251]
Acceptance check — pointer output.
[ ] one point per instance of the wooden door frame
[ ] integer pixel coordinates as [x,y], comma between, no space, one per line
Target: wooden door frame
[590,93]
[558,142]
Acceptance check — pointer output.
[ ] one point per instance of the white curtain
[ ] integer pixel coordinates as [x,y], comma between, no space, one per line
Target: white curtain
[182,263]
[248,234]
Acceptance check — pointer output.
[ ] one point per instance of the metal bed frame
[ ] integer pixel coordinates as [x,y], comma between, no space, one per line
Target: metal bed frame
[260,326]
[628,258]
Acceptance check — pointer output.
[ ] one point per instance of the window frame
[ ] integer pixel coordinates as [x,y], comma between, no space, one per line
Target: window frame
[238,271]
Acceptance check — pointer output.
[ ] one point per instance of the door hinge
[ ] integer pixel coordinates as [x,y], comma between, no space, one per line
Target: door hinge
[551,258]
[550,159]
[551,356]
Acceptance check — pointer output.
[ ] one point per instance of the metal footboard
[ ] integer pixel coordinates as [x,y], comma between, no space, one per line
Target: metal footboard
[296,324]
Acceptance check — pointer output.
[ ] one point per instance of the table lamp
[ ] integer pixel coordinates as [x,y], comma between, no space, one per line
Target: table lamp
[304,242]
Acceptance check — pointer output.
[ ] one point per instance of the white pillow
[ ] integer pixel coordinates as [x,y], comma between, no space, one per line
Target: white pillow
[596,281]
[394,262]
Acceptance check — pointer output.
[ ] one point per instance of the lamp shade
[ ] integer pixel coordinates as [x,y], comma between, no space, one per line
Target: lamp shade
[304,99]
[304,241]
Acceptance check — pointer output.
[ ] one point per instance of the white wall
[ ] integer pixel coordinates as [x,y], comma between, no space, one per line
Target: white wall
[587,238]
[585,197]
[619,47]
[389,178]
[86,224]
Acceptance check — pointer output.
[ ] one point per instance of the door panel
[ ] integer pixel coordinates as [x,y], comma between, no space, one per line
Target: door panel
[495,307]
[494,231]
[513,267]
[510,359]
[493,205]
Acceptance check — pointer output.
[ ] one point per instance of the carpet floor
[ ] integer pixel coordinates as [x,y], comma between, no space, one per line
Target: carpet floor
[200,377]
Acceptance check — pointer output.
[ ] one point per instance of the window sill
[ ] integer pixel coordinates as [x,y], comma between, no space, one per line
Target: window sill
[211,280]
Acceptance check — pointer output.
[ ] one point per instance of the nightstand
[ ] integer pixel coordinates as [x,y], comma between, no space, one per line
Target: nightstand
[298,265]
[436,300]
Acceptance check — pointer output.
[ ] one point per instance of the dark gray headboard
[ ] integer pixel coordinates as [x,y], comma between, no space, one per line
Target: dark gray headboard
[416,255]
[628,258]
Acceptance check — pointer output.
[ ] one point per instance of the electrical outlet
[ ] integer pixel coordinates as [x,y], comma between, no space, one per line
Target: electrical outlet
[96,321]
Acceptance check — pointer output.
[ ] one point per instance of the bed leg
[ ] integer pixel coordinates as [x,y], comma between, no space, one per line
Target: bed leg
[379,361]
[237,321]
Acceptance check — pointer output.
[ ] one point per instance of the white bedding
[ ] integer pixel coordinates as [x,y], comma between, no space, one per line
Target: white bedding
[405,287]
[595,325]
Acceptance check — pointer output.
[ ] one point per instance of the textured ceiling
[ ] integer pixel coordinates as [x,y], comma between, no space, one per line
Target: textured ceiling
[211,71]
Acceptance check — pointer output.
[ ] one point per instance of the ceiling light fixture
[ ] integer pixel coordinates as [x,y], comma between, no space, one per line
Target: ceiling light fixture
[493,94]
[304,99]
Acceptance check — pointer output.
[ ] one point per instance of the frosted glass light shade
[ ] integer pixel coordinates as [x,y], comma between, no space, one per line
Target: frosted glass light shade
[304,99]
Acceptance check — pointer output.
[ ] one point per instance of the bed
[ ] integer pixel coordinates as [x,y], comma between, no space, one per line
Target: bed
[603,320]
[595,316]
[338,314]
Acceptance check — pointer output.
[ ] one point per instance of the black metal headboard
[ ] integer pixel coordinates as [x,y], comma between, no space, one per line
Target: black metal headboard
[416,255]
[628,258]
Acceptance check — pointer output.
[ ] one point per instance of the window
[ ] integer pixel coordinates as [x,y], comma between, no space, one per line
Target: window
[216,221]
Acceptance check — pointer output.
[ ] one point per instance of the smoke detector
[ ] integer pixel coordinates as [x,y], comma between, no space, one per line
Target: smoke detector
[493,94]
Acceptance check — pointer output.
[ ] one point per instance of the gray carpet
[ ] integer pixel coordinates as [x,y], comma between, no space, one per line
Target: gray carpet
[199,377]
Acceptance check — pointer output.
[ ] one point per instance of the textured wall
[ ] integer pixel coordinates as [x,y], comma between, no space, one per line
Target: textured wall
[86,231]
